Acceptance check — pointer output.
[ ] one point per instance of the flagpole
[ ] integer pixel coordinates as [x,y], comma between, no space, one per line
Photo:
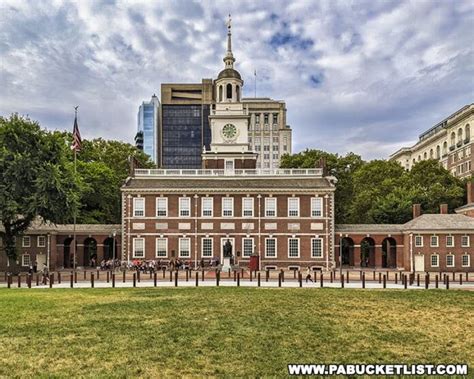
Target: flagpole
[75,206]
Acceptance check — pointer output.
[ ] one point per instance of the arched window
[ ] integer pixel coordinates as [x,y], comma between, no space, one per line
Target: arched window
[229,91]
[453,139]
[419,158]
[467,133]
[445,147]
[237,92]
[438,152]
[414,160]
[425,155]
[220,93]
[431,153]
[459,135]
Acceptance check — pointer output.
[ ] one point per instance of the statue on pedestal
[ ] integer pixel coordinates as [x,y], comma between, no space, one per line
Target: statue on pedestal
[227,249]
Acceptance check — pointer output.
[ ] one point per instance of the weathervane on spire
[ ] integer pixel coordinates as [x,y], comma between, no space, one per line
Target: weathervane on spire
[229,23]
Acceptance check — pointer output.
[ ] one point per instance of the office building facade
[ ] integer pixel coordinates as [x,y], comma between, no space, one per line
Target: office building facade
[147,127]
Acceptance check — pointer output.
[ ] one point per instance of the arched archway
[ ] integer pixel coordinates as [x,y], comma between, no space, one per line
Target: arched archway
[228,91]
[67,258]
[347,252]
[367,252]
[389,253]
[237,92]
[90,251]
[220,93]
[108,248]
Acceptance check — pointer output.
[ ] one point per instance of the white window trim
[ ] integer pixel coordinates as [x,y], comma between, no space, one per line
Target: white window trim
[422,240]
[23,260]
[273,200]
[297,208]
[133,243]
[26,238]
[468,260]
[313,208]
[188,200]
[251,199]
[179,247]
[38,239]
[454,260]
[166,206]
[243,246]
[202,247]
[431,241]
[452,239]
[135,199]
[299,249]
[276,247]
[437,260]
[232,208]
[468,241]
[322,248]
[207,198]
[156,247]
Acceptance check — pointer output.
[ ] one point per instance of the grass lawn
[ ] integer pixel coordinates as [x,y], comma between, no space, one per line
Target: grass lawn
[227,331]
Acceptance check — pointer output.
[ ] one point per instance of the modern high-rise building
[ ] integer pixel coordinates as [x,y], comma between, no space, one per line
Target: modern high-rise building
[147,127]
[184,129]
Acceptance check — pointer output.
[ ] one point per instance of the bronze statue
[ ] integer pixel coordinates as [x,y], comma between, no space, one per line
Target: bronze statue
[227,249]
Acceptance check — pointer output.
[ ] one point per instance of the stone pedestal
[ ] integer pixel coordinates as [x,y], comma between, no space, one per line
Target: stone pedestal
[226,266]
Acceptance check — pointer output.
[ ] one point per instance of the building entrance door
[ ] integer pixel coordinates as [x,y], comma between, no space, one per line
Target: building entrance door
[40,260]
[419,262]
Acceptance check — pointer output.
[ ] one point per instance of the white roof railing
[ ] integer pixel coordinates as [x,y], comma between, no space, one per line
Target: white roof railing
[315,172]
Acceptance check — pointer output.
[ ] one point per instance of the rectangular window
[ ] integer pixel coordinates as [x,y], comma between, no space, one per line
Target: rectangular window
[434,241]
[41,241]
[316,207]
[161,247]
[466,260]
[293,247]
[275,118]
[184,206]
[227,206]
[26,241]
[465,241]
[293,207]
[449,260]
[25,260]
[449,241]
[206,248]
[270,206]
[161,207]
[257,118]
[265,118]
[139,207]
[247,246]
[138,248]
[247,207]
[207,205]
[270,248]
[316,247]
[419,241]
[184,247]
[435,260]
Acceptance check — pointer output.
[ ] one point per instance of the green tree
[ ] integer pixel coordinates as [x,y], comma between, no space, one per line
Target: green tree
[36,178]
[343,167]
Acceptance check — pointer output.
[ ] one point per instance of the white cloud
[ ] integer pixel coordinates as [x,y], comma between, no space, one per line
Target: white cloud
[382,72]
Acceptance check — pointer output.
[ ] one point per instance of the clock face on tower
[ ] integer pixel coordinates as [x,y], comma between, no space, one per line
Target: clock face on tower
[229,132]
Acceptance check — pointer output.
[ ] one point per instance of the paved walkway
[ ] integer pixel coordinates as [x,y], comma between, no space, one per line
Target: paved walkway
[243,283]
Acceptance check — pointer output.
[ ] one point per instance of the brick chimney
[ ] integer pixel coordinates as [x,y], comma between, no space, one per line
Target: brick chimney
[443,209]
[470,192]
[416,210]
[321,163]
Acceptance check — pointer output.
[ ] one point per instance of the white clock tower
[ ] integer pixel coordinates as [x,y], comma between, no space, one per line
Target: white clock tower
[229,121]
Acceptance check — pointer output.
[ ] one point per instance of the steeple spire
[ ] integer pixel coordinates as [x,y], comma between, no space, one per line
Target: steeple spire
[229,57]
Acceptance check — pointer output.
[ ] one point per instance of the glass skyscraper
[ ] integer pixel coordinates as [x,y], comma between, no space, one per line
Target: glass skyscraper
[147,127]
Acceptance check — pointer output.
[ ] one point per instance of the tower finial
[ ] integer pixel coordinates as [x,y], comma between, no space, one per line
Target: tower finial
[229,57]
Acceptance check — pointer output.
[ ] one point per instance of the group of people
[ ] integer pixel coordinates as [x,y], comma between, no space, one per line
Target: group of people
[109,264]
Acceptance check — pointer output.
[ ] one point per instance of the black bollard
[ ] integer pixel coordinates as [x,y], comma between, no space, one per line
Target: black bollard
[235,276]
[460,279]
[279,278]
[396,278]
[258,279]
[427,280]
[72,280]
[321,280]
[380,277]
[436,281]
[405,281]
[187,274]
[266,275]
[51,280]
[75,277]
[384,281]
[176,278]
[342,280]
[113,280]
[217,278]
[447,282]
[347,276]
[314,276]
[134,279]
[417,280]
[123,276]
[155,279]
[28,280]
[9,281]
[92,280]
[363,280]
[108,276]
[331,277]
[197,279]
[300,279]
[238,279]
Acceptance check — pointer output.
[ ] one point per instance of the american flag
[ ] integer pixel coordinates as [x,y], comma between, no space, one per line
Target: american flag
[76,136]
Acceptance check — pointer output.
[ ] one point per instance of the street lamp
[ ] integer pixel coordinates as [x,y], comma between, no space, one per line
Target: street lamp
[340,254]
[114,233]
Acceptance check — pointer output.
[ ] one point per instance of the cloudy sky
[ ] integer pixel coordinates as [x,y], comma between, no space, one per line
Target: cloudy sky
[363,76]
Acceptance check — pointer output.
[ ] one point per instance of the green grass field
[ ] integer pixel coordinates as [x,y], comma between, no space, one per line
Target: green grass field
[227,331]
